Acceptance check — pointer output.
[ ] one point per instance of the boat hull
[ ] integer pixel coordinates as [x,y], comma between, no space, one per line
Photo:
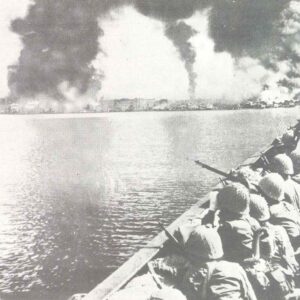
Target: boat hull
[154,248]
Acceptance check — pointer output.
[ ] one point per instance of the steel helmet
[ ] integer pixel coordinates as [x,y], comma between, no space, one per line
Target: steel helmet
[295,157]
[234,198]
[259,208]
[204,243]
[272,186]
[253,176]
[282,164]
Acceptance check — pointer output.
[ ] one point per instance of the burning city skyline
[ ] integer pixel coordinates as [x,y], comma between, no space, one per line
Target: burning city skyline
[77,50]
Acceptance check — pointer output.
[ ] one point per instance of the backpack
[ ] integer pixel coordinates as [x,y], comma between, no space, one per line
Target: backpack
[256,272]
[268,282]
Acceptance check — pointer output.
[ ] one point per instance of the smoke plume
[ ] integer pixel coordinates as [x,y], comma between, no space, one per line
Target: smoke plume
[246,27]
[180,33]
[170,10]
[61,40]
[289,50]
[11,45]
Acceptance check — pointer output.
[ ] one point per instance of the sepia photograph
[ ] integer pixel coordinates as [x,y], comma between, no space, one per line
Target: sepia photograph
[149,150]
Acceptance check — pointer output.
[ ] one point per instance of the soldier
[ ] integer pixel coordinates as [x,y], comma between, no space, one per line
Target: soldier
[283,165]
[295,156]
[289,140]
[282,213]
[280,252]
[237,228]
[208,276]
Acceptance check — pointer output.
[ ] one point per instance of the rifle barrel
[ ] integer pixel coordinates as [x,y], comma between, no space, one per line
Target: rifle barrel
[227,176]
[205,166]
[169,235]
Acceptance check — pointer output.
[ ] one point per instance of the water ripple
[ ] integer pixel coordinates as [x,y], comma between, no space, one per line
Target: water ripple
[78,196]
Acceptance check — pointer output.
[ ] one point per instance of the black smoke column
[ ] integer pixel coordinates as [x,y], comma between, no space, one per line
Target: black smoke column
[180,33]
[60,40]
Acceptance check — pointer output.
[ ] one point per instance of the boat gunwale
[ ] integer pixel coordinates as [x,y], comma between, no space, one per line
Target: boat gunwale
[121,276]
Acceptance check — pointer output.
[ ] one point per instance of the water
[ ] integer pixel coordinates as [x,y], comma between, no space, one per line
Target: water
[79,194]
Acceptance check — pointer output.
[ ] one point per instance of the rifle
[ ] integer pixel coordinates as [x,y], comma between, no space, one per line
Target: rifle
[228,176]
[264,160]
[277,147]
[212,169]
[172,238]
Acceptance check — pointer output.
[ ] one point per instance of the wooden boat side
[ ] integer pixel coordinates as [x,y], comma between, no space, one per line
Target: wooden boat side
[131,267]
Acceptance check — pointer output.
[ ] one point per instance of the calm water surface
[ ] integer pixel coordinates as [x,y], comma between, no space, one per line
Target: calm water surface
[79,194]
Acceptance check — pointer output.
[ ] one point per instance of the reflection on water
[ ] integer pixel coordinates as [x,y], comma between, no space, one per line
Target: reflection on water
[80,194]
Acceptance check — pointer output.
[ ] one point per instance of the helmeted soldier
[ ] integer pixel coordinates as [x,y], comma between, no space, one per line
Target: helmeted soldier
[237,228]
[289,141]
[295,157]
[281,212]
[208,276]
[283,165]
[280,251]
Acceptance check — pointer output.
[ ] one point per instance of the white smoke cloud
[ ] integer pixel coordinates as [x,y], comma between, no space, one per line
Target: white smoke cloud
[74,101]
[138,60]
[292,22]
[221,77]
[10,44]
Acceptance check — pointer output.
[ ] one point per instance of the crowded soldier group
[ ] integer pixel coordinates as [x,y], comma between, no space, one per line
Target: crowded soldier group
[247,246]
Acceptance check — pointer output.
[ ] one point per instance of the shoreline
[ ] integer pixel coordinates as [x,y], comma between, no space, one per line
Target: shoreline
[141,111]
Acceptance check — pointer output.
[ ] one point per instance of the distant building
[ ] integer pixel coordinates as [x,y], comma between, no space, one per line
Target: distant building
[161,104]
[31,107]
[14,108]
[105,106]
[126,104]
[289,103]
[145,104]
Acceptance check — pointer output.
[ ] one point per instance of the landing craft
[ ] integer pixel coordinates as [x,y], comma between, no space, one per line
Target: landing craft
[162,245]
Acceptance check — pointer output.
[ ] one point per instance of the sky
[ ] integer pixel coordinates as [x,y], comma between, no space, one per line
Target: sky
[138,60]
[220,51]
[134,42]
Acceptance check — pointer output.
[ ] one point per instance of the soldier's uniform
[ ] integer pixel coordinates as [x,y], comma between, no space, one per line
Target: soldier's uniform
[283,165]
[292,193]
[295,157]
[237,228]
[282,213]
[237,236]
[289,141]
[227,281]
[280,251]
[207,276]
